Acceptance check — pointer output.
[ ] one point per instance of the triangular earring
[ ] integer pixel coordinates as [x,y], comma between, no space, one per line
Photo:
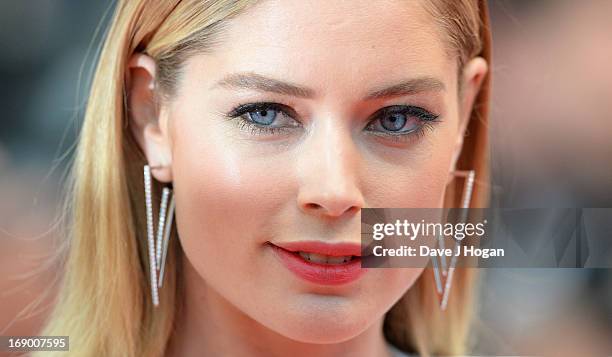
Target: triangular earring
[443,274]
[157,242]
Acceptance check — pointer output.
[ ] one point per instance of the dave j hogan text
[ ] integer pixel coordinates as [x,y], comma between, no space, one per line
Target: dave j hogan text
[425,251]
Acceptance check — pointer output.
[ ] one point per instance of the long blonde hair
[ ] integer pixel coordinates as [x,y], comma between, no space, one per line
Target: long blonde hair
[103,302]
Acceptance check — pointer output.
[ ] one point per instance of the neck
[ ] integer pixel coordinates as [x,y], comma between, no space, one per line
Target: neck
[209,325]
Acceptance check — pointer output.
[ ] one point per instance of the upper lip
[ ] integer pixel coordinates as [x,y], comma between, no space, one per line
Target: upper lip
[322,248]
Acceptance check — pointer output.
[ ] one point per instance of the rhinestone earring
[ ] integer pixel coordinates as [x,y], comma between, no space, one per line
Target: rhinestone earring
[443,274]
[157,242]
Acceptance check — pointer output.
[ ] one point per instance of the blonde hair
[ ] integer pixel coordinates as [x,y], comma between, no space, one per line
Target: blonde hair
[416,323]
[103,302]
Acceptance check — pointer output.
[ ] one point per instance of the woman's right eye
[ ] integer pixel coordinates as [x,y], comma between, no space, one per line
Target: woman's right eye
[264,117]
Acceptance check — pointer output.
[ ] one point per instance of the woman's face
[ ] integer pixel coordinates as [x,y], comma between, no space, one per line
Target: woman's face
[362,111]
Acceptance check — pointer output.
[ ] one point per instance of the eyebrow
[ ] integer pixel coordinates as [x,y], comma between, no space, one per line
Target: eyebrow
[408,87]
[258,82]
[264,84]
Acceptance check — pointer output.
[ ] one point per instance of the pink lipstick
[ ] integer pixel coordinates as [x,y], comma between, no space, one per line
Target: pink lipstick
[321,262]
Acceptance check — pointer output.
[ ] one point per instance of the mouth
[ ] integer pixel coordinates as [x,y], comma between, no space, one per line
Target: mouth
[321,262]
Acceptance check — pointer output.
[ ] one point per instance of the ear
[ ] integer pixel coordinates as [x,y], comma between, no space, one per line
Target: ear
[147,122]
[474,71]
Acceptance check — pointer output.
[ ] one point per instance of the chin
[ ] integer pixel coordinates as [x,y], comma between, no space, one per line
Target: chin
[321,326]
[315,333]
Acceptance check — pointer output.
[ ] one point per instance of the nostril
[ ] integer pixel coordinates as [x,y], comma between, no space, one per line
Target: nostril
[330,203]
[313,206]
[353,209]
[331,210]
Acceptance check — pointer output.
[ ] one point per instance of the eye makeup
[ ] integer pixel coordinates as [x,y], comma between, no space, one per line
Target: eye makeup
[401,122]
[395,122]
[264,118]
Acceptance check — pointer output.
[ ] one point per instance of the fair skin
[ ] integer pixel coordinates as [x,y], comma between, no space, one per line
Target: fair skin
[239,187]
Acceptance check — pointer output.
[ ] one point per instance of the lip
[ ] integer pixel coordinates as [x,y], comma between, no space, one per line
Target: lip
[325,274]
[323,248]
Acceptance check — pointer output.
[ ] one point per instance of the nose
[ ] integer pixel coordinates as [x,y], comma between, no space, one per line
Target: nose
[328,171]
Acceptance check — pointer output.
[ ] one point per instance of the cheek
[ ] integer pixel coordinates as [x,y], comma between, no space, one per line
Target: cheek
[224,199]
[225,194]
[414,177]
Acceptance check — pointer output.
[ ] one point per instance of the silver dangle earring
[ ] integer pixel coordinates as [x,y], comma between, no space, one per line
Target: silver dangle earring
[157,242]
[443,274]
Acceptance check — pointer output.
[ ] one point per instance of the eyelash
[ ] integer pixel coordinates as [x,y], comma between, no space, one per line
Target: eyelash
[240,112]
[426,119]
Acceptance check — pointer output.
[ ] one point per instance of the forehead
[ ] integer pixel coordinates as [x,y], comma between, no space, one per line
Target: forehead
[323,42]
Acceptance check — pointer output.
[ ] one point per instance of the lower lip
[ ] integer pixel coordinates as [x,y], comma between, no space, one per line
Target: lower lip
[325,274]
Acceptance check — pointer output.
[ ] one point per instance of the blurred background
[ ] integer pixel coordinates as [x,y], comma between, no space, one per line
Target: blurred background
[551,142]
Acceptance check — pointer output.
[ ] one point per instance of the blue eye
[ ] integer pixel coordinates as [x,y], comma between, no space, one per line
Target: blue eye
[263,116]
[400,120]
[393,122]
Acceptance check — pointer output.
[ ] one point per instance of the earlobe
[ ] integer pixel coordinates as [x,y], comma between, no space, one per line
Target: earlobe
[147,121]
[157,150]
[474,71]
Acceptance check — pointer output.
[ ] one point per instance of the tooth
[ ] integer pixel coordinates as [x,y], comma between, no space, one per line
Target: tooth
[325,259]
[318,258]
[336,260]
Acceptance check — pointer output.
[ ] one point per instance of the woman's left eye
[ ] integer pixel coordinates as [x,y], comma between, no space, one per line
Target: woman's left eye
[400,120]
